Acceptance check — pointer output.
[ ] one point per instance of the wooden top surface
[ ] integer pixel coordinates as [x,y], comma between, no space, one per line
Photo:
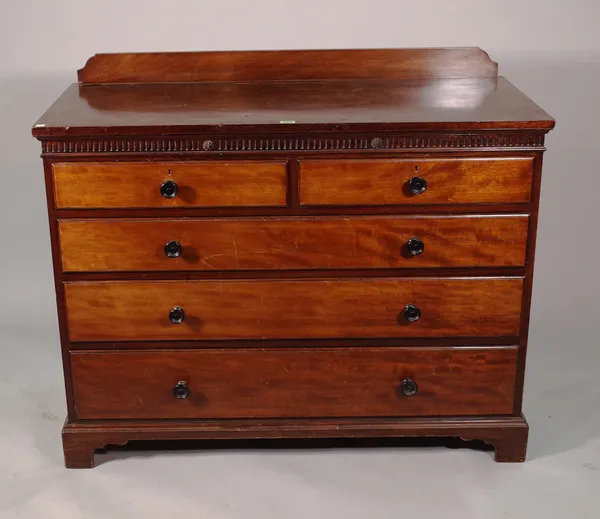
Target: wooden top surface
[290,91]
[183,108]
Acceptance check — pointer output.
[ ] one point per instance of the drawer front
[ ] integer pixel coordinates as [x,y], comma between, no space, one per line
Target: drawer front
[272,309]
[448,181]
[294,382]
[199,184]
[302,243]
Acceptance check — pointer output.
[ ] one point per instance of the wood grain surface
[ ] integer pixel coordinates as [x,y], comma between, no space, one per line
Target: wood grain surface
[294,382]
[334,308]
[449,180]
[254,114]
[293,243]
[201,184]
[160,67]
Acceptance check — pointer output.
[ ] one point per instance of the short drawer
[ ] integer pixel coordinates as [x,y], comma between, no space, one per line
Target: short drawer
[269,383]
[140,184]
[446,181]
[293,243]
[280,309]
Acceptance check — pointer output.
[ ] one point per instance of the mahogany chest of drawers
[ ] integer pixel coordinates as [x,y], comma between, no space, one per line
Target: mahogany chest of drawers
[293,244]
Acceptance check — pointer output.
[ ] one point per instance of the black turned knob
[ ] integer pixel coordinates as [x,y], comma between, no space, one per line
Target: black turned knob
[169,189]
[415,246]
[173,249]
[177,315]
[412,313]
[181,390]
[417,185]
[409,387]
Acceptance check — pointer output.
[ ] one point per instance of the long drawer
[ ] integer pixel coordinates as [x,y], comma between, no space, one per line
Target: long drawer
[294,382]
[169,184]
[272,309]
[293,243]
[437,181]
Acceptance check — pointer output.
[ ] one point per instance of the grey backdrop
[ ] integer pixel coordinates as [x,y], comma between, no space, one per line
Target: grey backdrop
[549,49]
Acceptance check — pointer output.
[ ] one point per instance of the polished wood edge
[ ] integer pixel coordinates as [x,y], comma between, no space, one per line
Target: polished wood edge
[295,210]
[59,285]
[433,343]
[507,434]
[285,65]
[444,343]
[528,282]
[128,216]
[187,275]
[214,145]
[391,274]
